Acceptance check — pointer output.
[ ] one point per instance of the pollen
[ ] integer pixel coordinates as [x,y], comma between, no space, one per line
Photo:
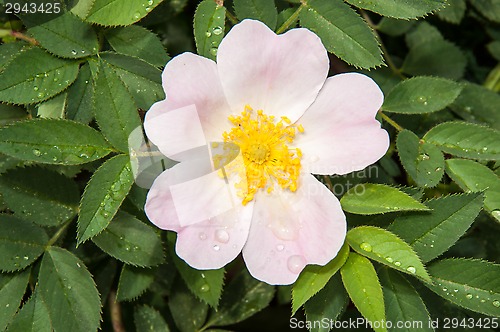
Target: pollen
[268,159]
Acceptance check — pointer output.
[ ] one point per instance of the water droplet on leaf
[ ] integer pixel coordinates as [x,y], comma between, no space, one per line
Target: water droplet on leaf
[468,296]
[496,304]
[366,247]
[217,31]
[411,269]
[37,152]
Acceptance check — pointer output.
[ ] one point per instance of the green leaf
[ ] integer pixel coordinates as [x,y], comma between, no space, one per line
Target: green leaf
[494,49]
[133,282]
[435,57]
[9,52]
[472,176]
[209,20]
[47,141]
[432,233]
[423,33]
[143,81]
[472,284]
[45,77]
[11,113]
[314,277]
[62,34]
[394,27]
[79,101]
[454,12]
[242,298]
[489,8]
[131,241]
[21,243]
[334,21]
[103,196]
[361,282]
[476,103]
[40,195]
[114,107]
[400,8]
[69,291]
[369,198]
[33,317]
[261,10]
[139,42]
[466,140]
[114,12]
[12,289]
[54,108]
[421,95]
[402,302]
[204,284]
[387,248]
[188,312]
[147,318]
[329,303]
[423,161]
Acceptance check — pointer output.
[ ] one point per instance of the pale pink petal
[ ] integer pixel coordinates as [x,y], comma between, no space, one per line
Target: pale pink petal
[191,83]
[341,134]
[213,243]
[160,207]
[290,230]
[280,74]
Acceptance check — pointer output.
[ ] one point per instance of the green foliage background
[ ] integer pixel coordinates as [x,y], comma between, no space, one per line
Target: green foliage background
[77,252]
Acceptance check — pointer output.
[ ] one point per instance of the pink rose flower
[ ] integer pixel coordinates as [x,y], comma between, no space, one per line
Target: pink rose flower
[249,131]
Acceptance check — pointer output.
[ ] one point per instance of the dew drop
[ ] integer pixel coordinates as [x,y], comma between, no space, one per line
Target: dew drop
[205,288]
[496,213]
[222,236]
[69,287]
[37,152]
[438,169]
[56,79]
[41,95]
[280,247]
[366,247]
[496,304]
[148,9]
[217,31]
[389,259]
[296,263]
[78,264]
[213,51]
[422,99]
[26,258]
[468,296]
[397,263]
[411,269]
[445,289]
[35,88]
[216,247]
[74,52]
[137,15]
[208,34]
[150,2]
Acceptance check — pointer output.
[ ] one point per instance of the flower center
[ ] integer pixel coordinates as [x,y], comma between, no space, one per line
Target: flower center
[268,160]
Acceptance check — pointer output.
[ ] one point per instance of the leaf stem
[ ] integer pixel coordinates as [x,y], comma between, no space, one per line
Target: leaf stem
[19,35]
[291,19]
[231,17]
[58,234]
[390,121]
[385,53]
[115,312]
[492,82]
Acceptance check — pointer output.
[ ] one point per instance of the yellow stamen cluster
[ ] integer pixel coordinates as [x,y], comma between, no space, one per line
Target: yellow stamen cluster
[267,158]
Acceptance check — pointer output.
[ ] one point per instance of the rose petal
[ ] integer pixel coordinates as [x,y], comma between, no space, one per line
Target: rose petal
[213,243]
[280,74]
[290,230]
[341,134]
[188,79]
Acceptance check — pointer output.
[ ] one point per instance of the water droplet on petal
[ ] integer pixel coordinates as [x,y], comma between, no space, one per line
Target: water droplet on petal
[222,236]
[216,248]
[411,269]
[202,236]
[296,263]
[366,247]
[496,303]
[280,247]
